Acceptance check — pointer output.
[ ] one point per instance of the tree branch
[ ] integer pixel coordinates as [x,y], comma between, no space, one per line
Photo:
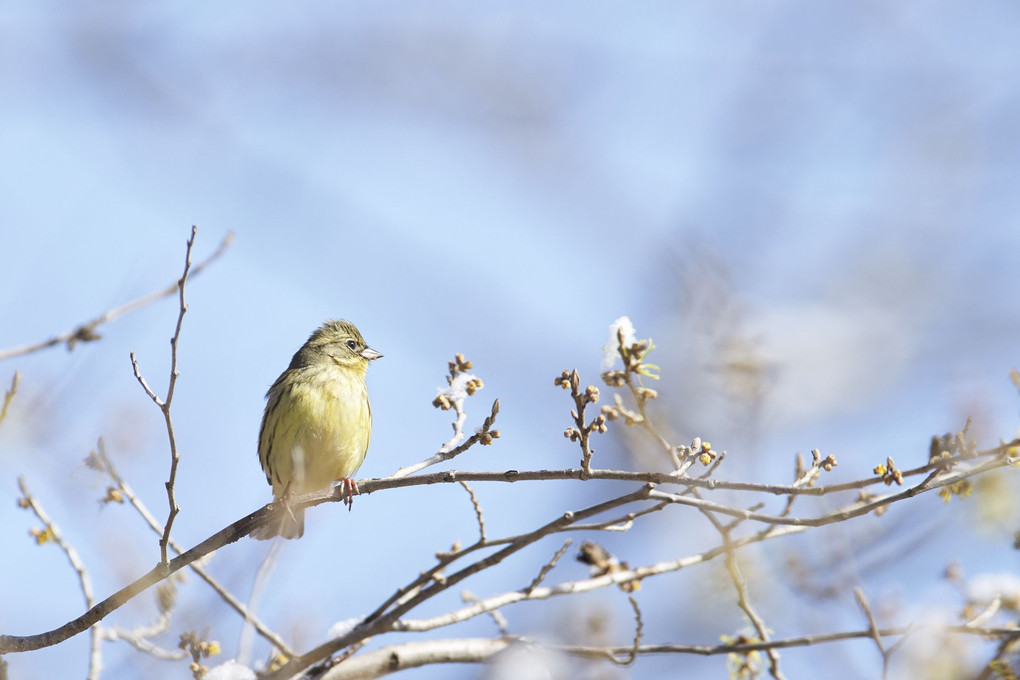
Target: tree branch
[164,404]
[86,332]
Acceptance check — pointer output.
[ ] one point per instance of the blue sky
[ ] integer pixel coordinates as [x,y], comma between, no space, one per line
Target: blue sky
[827,188]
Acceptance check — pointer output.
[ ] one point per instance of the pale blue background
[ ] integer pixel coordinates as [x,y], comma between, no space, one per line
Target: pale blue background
[831,184]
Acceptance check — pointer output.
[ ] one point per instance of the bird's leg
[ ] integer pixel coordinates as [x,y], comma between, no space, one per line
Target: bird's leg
[348,487]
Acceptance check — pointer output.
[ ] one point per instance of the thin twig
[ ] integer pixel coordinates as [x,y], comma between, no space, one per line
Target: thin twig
[9,395]
[862,602]
[478,511]
[86,332]
[461,386]
[583,585]
[1000,456]
[985,615]
[785,643]
[140,639]
[52,532]
[623,523]
[175,456]
[639,628]
[547,567]
[582,431]
[744,599]
[497,616]
[165,403]
[485,434]
[853,510]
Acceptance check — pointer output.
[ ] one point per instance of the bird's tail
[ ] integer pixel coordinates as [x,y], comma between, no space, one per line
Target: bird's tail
[286,522]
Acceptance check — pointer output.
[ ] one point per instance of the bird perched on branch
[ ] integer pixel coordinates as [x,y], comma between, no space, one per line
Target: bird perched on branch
[317,423]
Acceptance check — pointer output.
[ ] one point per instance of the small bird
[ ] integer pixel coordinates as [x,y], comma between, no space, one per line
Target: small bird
[317,423]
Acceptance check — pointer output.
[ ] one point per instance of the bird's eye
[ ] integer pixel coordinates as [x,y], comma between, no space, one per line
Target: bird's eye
[352,345]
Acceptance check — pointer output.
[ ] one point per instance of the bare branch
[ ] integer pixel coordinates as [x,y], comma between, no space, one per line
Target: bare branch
[234,532]
[51,532]
[383,621]
[853,510]
[139,639]
[86,332]
[415,654]
[998,457]
[623,523]
[497,616]
[9,395]
[478,511]
[606,580]
[175,456]
[744,598]
[461,386]
[862,602]
[547,567]
[165,403]
[485,435]
[639,628]
[143,383]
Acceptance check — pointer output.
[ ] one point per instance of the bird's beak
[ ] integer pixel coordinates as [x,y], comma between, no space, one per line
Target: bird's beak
[369,353]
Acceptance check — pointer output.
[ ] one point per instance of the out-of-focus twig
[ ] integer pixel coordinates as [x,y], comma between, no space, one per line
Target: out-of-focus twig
[548,566]
[876,633]
[478,511]
[9,395]
[86,332]
[51,532]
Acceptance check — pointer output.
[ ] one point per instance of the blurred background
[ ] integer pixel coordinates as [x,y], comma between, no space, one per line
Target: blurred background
[811,208]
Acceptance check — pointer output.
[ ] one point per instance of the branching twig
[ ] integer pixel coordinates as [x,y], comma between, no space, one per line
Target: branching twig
[876,634]
[383,621]
[806,477]
[164,404]
[51,532]
[633,353]
[86,332]
[605,580]
[582,431]
[139,639]
[744,598]
[461,385]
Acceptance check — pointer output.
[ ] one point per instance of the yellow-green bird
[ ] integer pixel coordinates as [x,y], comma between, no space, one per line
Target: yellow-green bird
[317,423]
